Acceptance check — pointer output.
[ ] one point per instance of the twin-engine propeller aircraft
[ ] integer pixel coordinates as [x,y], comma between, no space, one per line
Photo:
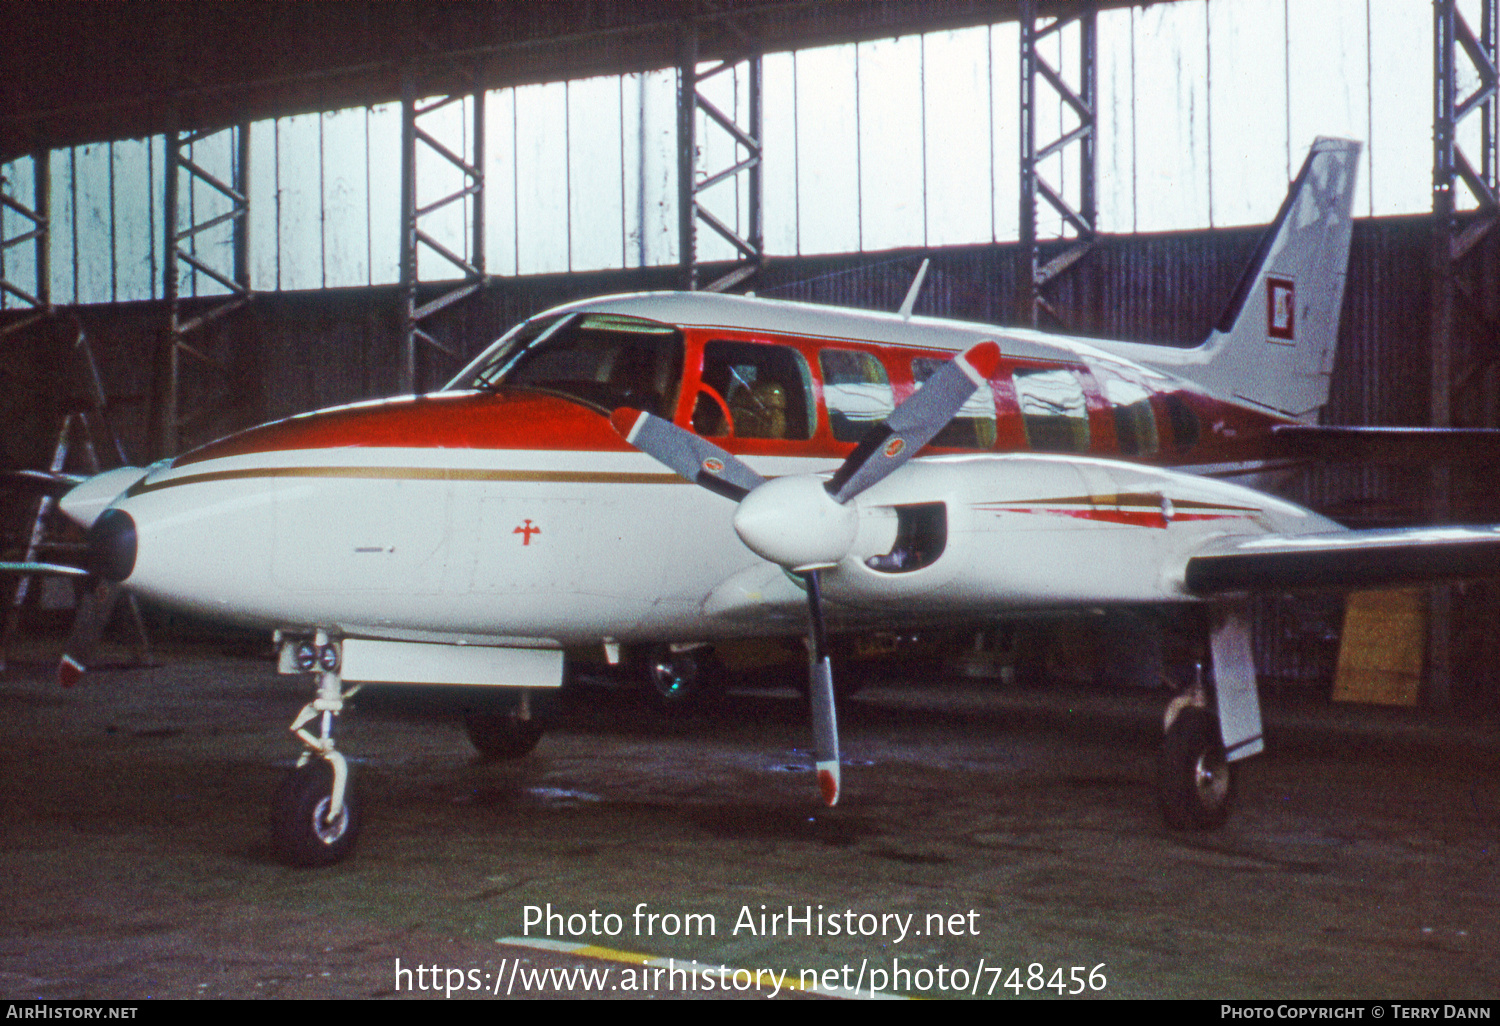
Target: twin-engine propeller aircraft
[542,502]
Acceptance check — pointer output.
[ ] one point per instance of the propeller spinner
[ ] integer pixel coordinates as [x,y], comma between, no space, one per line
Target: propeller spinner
[805,524]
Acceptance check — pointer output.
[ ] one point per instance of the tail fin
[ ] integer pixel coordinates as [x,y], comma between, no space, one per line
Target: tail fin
[1274,346]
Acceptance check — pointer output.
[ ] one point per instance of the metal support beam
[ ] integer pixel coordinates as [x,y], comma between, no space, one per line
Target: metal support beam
[182,227]
[35,229]
[749,241]
[1076,143]
[417,141]
[1456,49]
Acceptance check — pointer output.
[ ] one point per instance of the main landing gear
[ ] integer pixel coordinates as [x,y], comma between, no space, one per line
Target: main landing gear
[1195,783]
[315,816]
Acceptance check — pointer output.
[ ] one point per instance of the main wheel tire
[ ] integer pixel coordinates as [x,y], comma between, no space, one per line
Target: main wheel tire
[1196,787]
[500,737]
[677,681]
[301,831]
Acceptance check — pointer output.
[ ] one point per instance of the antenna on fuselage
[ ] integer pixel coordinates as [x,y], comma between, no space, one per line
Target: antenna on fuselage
[911,294]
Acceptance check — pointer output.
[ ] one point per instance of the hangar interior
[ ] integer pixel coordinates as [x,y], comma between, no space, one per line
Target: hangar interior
[250,210]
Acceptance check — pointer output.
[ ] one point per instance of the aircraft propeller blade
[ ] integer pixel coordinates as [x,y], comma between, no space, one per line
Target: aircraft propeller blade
[694,458]
[915,422]
[820,694]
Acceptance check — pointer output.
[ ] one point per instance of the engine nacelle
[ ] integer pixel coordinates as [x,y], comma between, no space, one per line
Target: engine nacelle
[1033,531]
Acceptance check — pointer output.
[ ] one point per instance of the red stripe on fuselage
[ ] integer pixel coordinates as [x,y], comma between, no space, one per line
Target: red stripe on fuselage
[449,420]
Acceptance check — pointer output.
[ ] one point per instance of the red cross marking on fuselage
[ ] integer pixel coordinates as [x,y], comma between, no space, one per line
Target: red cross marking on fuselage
[526,531]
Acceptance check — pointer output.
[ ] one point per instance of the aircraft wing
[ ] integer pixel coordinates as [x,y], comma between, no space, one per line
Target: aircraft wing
[1346,560]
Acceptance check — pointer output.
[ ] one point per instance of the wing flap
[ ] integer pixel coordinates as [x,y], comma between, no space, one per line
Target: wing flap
[1347,560]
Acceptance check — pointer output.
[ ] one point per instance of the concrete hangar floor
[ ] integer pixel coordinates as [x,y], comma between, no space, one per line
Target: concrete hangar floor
[991,841]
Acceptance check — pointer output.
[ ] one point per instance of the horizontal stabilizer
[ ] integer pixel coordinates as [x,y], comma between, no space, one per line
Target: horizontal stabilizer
[1391,445]
[1348,560]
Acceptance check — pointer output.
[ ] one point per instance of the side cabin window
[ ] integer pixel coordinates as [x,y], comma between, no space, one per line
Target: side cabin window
[856,391]
[1054,409]
[1185,428]
[754,390]
[974,425]
[601,360]
[1135,419]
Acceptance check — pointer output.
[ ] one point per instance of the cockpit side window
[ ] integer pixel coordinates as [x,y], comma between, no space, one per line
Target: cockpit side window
[602,360]
[766,390]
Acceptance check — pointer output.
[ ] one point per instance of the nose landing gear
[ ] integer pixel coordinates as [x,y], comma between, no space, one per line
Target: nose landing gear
[315,817]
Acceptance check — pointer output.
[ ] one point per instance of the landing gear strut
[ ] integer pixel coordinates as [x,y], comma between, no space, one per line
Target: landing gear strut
[315,817]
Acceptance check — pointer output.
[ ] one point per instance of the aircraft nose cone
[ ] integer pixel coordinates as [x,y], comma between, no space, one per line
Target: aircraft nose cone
[795,522]
[112,545]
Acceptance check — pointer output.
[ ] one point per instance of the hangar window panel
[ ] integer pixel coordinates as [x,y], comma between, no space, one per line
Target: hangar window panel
[1328,70]
[60,239]
[827,138]
[956,69]
[649,138]
[892,208]
[265,251]
[594,174]
[1054,410]
[779,139]
[1171,146]
[439,179]
[137,231]
[383,197]
[856,391]
[18,263]
[93,224]
[1115,127]
[1247,103]
[346,205]
[299,190]
[1400,175]
[1005,46]
[973,427]
[542,179]
[499,182]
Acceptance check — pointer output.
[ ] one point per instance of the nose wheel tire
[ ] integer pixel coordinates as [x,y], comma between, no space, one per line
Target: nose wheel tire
[1196,787]
[500,737]
[301,830]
